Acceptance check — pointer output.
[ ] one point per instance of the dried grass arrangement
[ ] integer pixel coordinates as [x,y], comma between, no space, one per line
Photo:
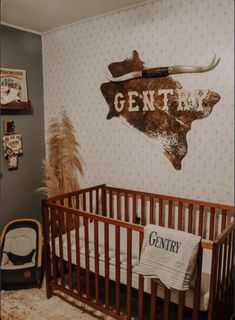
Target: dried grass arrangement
[64,162]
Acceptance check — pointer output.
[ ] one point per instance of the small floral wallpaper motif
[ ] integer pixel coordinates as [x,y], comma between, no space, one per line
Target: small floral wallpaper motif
[165,32]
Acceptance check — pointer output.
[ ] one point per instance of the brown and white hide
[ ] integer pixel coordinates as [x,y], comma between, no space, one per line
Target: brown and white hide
[170,125]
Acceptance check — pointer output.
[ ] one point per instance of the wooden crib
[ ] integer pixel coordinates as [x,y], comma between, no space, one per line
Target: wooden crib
[91,237]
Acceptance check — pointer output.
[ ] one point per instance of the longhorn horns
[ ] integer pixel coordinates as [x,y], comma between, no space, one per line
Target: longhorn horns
[165,71]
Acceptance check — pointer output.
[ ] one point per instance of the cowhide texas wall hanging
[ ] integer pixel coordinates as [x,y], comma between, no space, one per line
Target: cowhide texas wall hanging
[156,104]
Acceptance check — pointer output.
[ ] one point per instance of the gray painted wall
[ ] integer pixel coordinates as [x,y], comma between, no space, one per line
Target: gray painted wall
[23,50]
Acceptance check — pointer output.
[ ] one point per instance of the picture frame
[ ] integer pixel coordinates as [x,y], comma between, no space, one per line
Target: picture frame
[14,79]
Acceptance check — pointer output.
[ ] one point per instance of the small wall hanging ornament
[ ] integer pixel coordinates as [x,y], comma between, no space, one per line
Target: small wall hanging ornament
[12,145]
[156,104]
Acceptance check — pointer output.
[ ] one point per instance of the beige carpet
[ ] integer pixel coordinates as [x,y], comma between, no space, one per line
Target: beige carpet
[32,304]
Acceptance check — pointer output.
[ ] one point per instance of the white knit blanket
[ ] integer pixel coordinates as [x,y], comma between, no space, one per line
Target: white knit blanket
[169,255]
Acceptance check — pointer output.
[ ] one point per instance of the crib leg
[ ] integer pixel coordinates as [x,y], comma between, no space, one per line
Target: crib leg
[48,272]
[48,285]
[49,291]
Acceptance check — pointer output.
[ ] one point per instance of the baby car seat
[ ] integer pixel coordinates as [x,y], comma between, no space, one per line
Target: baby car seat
[21,254]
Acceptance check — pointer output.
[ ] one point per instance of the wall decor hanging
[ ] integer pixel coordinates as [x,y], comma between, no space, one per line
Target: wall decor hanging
[12,145]
[14,93]
[150,100]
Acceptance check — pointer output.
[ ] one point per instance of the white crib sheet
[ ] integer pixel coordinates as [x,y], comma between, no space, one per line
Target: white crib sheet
[205,283]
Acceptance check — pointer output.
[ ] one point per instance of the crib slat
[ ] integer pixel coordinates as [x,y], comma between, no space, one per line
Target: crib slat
[181,298]
[231,295]
[87,260]
[97,200]
[218,284]
[228,263]
[212,223]
[223,286]
[77,201]
[141,284]
[153,300]
[126,208]
[71,205]
[70,201]
[61,231]
[104,209]
[91,201]
[197,289]
[201,217]
[180,216]
[151,210]
[166,304]
[160,212]
[117,269]
[143,218]
[224,215]
[106,244]
[134,208]
[129,273]
[53,235]
[190,218]
[229,276]
[111,204]
[68,224]
[77,239]
[170,215]
[84,201]
[119,206]
[96,249]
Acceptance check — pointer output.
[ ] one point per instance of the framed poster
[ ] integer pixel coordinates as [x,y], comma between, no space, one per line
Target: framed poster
[13,85]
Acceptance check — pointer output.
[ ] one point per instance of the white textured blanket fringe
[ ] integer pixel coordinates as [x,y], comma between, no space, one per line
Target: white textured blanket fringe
[169,255]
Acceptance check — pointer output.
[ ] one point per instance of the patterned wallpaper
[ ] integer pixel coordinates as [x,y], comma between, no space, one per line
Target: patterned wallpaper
[165,32]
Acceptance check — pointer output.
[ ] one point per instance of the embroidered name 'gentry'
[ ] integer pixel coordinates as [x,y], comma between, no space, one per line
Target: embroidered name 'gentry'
[163,243]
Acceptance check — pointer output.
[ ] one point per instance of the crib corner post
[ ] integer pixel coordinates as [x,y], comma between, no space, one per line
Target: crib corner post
[46,247]
[197,289]
[213,282]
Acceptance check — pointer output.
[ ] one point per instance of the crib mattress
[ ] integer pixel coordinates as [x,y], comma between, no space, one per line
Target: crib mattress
[205,283]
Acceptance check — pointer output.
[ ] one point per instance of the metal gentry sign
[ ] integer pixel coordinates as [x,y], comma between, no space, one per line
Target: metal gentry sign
[151,101]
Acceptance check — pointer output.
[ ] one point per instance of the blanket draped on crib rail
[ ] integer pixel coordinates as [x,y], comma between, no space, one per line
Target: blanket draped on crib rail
[169,255]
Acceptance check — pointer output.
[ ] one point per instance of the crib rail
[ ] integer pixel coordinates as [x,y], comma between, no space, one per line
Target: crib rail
[125,212]
[199,217]
[88,199]
[206,219]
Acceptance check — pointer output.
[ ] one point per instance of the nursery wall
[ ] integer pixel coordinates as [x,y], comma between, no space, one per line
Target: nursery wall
[164,33]
[22,50]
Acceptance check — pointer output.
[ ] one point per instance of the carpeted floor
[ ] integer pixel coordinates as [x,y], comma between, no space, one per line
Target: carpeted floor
[32,304]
